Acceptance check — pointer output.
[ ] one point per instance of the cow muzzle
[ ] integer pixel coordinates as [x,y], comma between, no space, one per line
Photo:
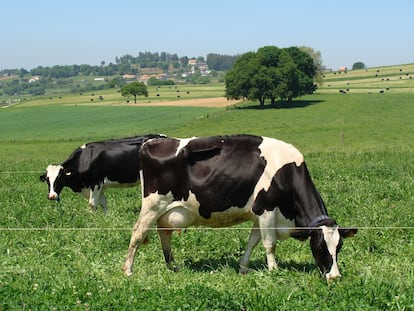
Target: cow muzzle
[53,196]
[332,276]
[333,273]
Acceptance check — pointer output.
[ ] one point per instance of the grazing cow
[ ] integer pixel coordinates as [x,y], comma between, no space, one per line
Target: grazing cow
[225,180]
[95,166]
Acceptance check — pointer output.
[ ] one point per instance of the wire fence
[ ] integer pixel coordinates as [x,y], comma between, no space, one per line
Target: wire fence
[56,229]
[21,172]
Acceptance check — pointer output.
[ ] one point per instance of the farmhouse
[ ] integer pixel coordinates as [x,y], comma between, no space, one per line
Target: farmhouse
[129,76]
[34,79]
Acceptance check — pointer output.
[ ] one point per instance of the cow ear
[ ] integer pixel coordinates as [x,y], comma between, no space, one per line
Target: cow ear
[42,177]
[347,232]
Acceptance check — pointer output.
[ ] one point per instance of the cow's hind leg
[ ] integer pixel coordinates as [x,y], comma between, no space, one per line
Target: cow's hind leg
[175,219]
[103,202]
[139,235]
[165,238]
[254,238]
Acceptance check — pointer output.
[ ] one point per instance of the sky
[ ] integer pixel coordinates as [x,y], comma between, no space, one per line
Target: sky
[50,32]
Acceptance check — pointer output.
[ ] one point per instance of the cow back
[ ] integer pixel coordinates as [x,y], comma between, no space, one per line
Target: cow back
[221,171]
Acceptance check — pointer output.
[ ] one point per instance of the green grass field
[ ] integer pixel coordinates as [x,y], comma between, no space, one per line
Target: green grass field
[359,150]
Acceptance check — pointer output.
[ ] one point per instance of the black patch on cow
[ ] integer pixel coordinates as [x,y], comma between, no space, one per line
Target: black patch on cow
[320,252]
[116,159]
[221,171]
[294,193]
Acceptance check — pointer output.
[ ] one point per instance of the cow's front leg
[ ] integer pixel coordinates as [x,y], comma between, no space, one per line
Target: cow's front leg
[254,238]
[165,238]
[268,232]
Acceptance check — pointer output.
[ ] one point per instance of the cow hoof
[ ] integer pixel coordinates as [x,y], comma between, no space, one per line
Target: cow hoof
[173,267]
[127,271]
[244,270]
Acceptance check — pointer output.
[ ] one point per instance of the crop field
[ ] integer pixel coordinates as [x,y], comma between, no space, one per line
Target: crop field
[359,150]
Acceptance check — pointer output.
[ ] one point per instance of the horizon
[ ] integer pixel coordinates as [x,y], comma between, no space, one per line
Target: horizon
[193,57]
[38,34]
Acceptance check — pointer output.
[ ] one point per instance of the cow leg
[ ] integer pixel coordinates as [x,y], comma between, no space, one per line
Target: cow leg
[138,237]
[267,225]
[254,238]
[165,238]
[103,202]
[94,197]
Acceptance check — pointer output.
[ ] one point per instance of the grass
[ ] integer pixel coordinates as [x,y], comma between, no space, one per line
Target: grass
[358,148]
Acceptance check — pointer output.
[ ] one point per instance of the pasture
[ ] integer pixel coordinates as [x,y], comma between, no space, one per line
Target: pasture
[358,148]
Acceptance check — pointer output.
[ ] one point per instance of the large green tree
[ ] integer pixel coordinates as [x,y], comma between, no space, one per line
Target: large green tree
[271,73]
[135,89]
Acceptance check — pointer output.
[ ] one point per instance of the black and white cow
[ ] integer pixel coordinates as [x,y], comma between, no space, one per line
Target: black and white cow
[225,180]
[95,166]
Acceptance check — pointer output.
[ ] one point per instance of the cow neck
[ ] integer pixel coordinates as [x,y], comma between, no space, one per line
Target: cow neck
[317,220]
[310,206]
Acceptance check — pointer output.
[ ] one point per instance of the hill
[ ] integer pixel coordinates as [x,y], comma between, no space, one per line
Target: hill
[393,79]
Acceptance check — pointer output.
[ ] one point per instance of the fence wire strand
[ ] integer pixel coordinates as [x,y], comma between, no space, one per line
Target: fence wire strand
[56,229]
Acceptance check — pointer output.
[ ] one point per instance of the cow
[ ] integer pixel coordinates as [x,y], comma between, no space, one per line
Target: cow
[226,180]
[95,166]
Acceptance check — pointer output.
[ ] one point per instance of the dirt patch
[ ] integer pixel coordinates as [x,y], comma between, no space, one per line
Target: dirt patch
[216,102]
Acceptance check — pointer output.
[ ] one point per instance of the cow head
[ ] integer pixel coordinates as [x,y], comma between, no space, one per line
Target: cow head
[326,242]
[55,177]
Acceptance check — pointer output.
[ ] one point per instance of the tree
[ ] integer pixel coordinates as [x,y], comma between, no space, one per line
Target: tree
[135,89]
[358,65]
[271,73]
[317,61]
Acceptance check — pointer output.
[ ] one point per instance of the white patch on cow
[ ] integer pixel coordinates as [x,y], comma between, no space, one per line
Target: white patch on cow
[185,213]
[285,226]
[277,154]
[52,172]
[83,146]
[331,236]
[183,143]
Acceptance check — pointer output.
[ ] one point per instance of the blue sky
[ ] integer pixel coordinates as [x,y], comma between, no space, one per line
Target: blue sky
[47,33]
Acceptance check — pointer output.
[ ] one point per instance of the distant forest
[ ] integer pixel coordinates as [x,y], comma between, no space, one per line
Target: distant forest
[127,64]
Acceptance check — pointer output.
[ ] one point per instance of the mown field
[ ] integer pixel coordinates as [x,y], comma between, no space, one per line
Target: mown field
[111,97]
[359,150]
[389,79]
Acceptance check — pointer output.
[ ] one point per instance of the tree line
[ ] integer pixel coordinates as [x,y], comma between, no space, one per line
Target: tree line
[126,64]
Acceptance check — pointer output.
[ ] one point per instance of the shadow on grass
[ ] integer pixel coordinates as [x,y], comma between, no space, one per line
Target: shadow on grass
[212,264]
[292,105]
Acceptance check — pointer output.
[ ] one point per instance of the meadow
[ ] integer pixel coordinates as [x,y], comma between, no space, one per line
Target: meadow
[358,147]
